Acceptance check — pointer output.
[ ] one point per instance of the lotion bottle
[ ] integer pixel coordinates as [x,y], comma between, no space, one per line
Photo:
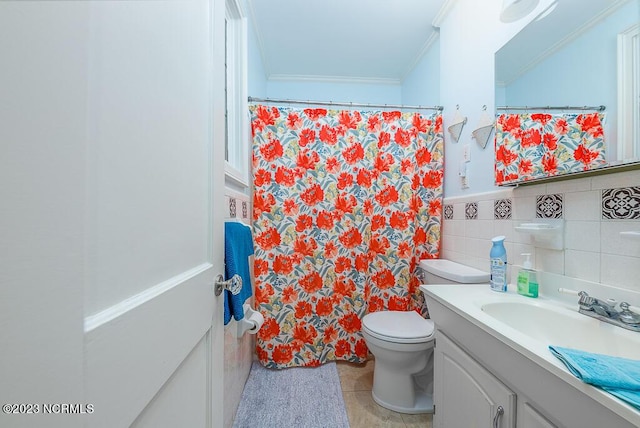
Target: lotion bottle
[527,278]
[498,259]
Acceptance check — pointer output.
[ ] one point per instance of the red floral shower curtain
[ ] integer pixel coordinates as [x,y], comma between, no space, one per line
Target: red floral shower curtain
[346,203]
[534,145]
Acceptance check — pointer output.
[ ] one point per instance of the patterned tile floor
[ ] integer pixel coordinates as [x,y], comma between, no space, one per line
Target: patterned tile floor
[363,412]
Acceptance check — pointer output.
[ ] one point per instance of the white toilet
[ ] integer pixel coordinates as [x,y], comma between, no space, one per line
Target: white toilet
[402,344]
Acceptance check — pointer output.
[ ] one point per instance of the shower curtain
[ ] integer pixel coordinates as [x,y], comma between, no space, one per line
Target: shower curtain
[346,203]
[534,145]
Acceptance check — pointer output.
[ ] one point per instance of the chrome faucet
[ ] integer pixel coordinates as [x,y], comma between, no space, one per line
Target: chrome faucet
[605,310]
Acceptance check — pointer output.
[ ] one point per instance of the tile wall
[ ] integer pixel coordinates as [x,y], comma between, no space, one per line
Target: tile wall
[594,209]
[238,351]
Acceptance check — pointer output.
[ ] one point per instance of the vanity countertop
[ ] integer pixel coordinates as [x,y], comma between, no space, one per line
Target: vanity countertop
[529,326]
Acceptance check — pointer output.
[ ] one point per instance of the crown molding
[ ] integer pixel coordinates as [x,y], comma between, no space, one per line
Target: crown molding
[443,12]
[565,41]
[236,9]
[333,79]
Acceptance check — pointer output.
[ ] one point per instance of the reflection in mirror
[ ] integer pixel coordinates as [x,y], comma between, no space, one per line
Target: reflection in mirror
[570,55]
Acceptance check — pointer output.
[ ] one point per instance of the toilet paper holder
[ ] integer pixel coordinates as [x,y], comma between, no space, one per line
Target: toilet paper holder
[251,323]
[234,285]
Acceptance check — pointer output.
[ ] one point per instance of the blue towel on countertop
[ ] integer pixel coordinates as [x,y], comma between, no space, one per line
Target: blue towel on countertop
[618,376]
[238,246]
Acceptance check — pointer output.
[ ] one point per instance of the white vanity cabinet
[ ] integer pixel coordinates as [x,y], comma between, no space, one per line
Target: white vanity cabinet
[478,368]
[468,395]
[529,417]
[465,393]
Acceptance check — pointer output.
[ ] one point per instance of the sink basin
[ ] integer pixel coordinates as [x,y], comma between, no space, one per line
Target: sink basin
[562,327]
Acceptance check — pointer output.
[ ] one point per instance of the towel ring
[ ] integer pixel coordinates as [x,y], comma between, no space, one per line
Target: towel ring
[234,285]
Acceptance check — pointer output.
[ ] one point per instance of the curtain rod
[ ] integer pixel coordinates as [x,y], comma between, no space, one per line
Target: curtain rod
[597,108]
[330,103]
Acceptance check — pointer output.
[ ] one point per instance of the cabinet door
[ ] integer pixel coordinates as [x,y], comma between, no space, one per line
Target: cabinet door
[465,393]
[529,417]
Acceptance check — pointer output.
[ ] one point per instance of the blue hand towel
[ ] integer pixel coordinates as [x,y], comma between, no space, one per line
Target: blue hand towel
[618,376]
[238,246]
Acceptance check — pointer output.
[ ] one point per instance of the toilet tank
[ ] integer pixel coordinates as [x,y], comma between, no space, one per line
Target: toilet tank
[442,271]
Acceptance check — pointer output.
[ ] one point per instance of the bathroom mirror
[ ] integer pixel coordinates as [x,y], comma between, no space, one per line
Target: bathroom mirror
[579,53]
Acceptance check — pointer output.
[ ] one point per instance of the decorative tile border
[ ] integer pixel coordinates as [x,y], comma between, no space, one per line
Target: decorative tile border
[232,207]
[448,212]
[549,206]
[621,204]
[502,209]
[471,210]
[245,210]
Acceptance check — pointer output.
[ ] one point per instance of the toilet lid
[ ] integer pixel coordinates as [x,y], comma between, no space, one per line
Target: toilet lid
[398,326]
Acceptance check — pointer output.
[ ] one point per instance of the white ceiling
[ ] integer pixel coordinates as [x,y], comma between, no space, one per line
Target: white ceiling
[343,40]
[381,41]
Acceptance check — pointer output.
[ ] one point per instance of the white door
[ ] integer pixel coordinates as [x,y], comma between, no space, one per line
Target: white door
[111,169]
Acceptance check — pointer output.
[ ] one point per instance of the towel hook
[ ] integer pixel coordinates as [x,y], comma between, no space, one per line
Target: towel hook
[234,285]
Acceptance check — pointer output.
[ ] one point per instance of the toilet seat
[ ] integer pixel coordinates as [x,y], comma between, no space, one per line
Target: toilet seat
[398,326]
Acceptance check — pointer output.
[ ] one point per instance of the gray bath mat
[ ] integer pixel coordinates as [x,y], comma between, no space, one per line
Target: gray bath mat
[300,397]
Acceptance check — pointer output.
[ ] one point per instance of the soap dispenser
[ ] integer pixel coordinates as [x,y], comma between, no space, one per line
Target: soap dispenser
[527,278]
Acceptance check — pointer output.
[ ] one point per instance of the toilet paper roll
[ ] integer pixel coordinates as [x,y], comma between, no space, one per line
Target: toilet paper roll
[251,322]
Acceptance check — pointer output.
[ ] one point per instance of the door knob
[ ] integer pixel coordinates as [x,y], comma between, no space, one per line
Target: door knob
[234,285]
